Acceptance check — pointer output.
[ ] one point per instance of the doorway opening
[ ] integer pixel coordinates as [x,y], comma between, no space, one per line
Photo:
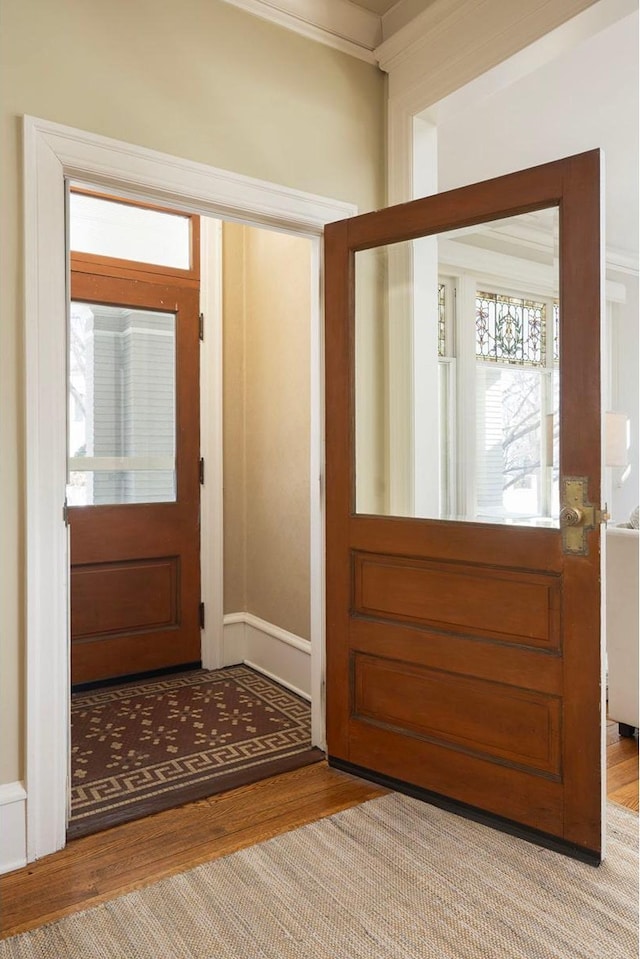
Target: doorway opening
[53,153]
[150,727]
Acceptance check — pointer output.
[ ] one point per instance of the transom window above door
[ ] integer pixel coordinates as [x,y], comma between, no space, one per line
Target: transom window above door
[103,226]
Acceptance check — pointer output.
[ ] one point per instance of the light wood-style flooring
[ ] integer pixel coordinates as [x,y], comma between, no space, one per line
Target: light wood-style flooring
[100,867]
[622,768]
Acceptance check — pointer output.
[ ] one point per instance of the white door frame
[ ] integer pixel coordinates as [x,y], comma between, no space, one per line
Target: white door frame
[52,154]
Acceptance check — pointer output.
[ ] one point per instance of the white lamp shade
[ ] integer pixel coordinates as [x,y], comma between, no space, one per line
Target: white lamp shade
[616,439]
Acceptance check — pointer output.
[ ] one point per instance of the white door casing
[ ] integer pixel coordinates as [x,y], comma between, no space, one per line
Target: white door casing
[52,154]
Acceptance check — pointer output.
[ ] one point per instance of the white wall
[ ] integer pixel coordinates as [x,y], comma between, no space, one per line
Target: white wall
[579,99]
[624,393]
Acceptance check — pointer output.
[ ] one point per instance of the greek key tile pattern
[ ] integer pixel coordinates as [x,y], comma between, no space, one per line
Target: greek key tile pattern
[138,748]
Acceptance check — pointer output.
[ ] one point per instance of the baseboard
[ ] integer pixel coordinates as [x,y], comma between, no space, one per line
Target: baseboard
[13,831]
[277,653]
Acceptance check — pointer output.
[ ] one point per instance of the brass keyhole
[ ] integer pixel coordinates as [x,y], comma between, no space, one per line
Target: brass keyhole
[570,516]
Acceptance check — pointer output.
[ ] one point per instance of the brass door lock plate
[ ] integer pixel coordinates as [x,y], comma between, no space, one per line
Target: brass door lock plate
[577,515]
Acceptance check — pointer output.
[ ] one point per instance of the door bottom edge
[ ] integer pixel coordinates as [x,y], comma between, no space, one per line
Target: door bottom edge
[139,677]
[589,856]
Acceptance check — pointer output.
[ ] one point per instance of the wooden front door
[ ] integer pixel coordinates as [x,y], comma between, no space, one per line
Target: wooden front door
[135,541]
[463,466]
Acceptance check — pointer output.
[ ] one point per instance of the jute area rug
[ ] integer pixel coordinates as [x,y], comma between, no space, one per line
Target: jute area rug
[390,878]
[138,748]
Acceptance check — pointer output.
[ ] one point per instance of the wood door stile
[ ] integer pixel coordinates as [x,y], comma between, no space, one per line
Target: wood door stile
[463,657]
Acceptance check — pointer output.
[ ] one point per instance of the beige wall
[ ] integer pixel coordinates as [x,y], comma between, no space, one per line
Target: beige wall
[194,78]
[267,305]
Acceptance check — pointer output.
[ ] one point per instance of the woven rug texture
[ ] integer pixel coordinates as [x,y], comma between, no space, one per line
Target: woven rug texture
[137,748]
[393,878]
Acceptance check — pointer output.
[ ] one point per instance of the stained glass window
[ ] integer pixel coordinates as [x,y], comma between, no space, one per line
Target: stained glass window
[442,320]
[510,329]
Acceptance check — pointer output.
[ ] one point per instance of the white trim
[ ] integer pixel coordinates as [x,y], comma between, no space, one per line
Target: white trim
[277,632]
[404,46]
[532,56]
[211,436]
[13,839]
[336,23]
[233,633]
[426,82]
[271,650]
[317,599]
[52,153]
[138,173]
[421,59]
[525,275]
[621,262]
[47,648]
[278,679]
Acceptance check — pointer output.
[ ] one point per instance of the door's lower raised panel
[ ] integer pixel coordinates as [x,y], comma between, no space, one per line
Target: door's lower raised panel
[494,722]
[125,597]
[130,617]
[536,802]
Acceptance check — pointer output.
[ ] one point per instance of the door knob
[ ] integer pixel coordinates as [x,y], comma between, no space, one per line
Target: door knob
[571,516]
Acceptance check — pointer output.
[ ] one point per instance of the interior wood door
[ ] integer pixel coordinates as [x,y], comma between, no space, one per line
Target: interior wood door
[463,634]
[135,543]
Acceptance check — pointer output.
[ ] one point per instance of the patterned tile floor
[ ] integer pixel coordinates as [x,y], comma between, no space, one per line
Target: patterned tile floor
[142,747]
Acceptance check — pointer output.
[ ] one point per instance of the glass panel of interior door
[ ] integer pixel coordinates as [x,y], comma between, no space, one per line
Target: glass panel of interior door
[122,405]
[457,374]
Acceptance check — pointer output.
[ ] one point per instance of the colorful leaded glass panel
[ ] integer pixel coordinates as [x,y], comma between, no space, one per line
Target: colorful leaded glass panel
[556,331]
[442,320]
[510,329]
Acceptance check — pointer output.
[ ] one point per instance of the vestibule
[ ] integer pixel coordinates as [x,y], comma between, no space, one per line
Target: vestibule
[53,154]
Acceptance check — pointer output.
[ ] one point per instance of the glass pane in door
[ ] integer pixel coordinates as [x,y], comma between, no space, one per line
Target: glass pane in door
[122,405]
[457,374]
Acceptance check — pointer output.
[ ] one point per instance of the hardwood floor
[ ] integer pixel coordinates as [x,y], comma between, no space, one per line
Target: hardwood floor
[108,864]
[622,768]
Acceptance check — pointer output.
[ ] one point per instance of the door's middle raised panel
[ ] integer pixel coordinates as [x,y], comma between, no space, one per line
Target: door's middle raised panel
[514,606]
[492,721]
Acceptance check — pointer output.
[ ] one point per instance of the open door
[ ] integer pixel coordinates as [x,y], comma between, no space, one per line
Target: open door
[463,493]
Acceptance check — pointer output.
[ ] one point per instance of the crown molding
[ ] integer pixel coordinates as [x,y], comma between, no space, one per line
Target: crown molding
[336,23]
[417,50]
[622,261]
[454,41]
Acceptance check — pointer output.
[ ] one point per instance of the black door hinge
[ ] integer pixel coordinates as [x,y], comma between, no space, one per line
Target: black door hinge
[201,326]
[201,615]
[201,469]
